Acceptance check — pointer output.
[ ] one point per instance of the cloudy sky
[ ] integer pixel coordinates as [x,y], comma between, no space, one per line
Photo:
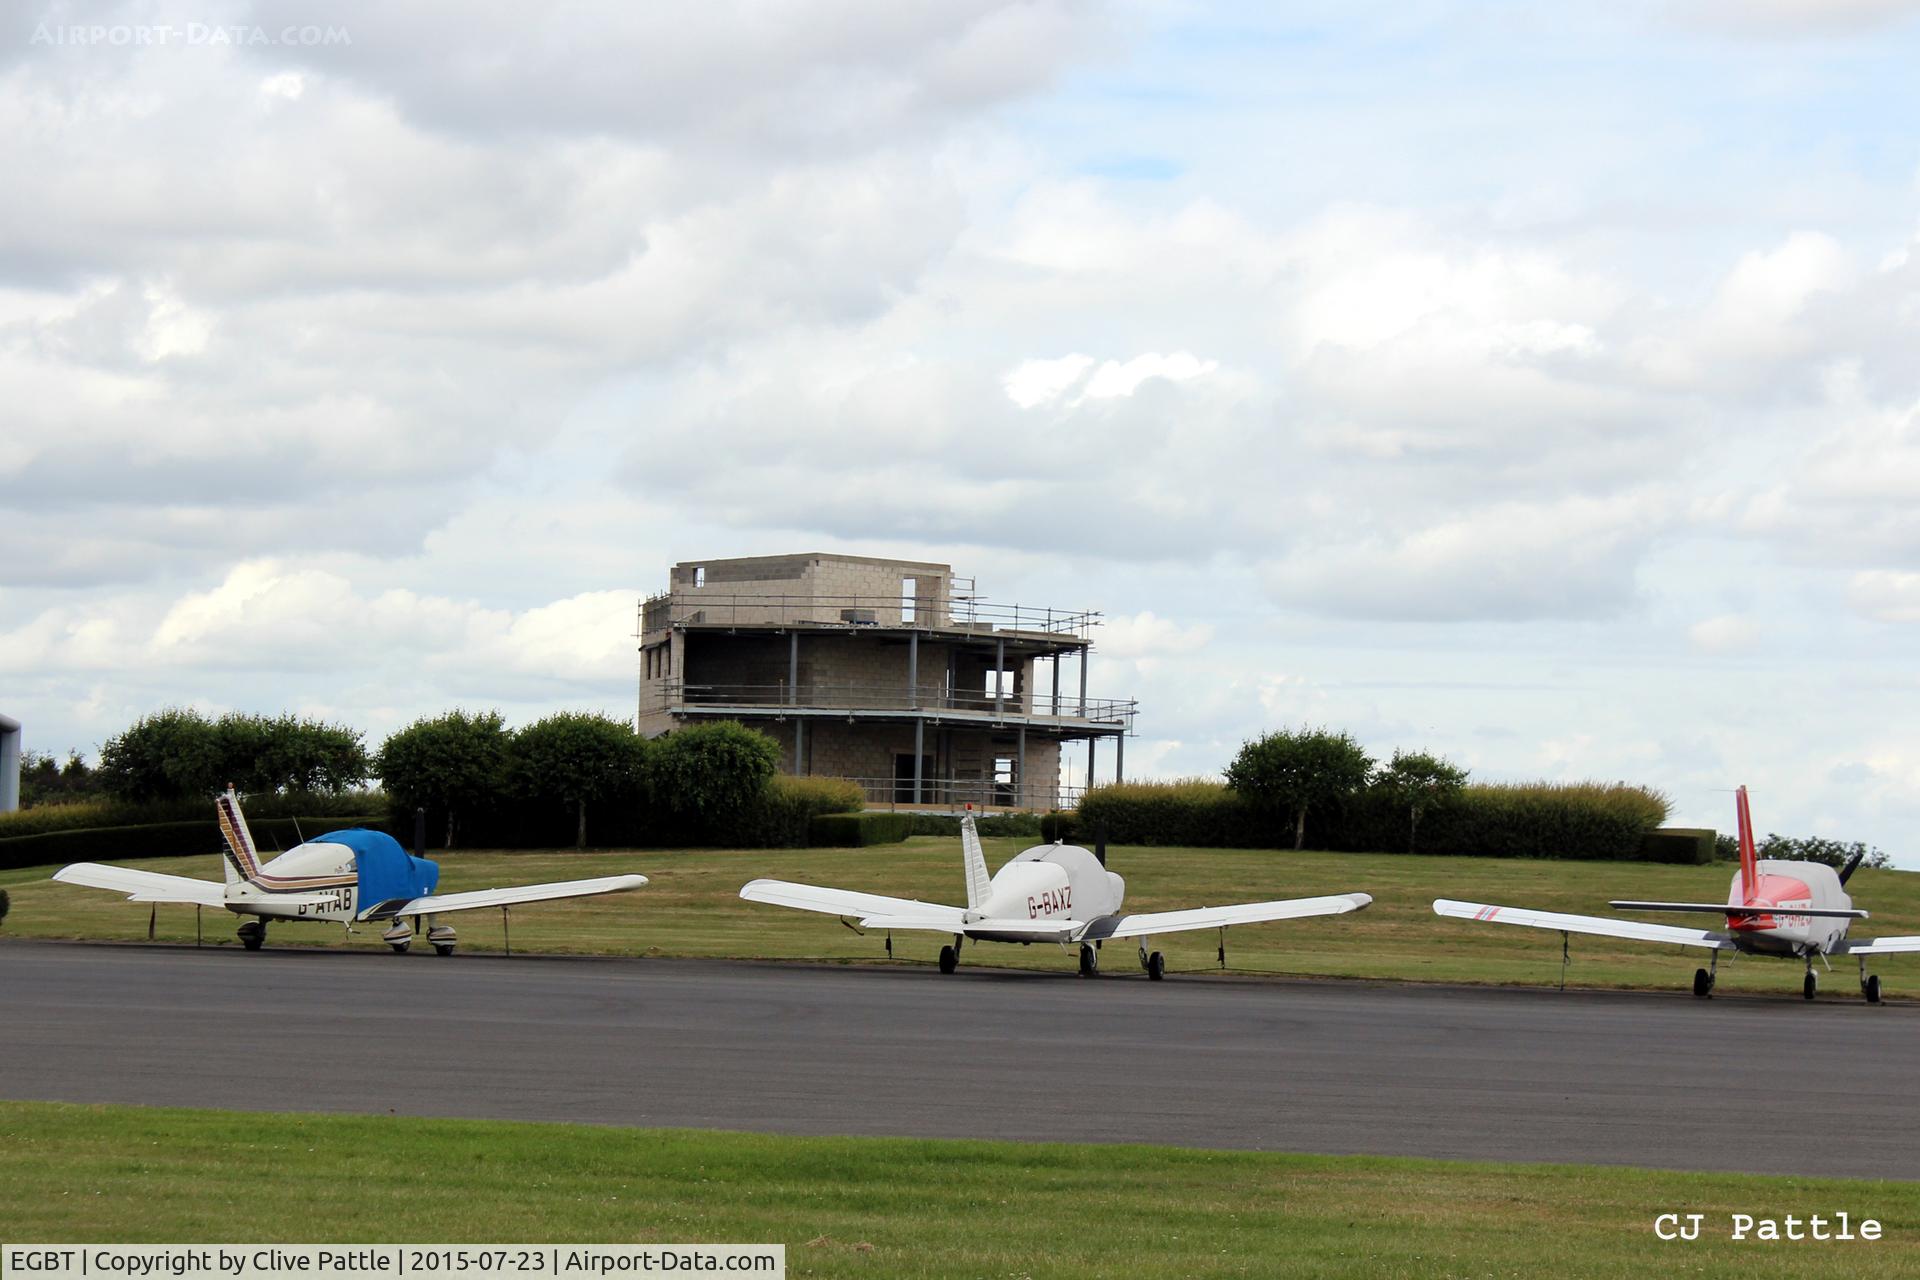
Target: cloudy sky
[1533,384]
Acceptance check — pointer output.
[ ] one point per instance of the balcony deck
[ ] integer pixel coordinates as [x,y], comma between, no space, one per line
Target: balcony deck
[1068,628]
[1067,713]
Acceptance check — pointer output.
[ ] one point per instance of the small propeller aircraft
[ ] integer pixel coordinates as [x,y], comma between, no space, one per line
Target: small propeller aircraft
[1050,893]
[347,876]
[1797,910]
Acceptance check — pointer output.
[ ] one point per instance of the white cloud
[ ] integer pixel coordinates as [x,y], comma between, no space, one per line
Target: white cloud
[1886,595]
[1725,634]
[1116,378]
[1036,382]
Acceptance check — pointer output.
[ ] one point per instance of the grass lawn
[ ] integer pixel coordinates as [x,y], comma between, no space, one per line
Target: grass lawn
[896,1207]
[692,908]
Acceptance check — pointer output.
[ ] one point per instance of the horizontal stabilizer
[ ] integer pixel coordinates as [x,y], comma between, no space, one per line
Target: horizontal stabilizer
[851,903]
[1876,946]
[1636,930]
[1152,922]
[438,903]
[143,886]
[1728,909]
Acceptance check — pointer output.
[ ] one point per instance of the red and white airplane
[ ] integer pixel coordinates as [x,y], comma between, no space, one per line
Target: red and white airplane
[1056,892]
[1774,908]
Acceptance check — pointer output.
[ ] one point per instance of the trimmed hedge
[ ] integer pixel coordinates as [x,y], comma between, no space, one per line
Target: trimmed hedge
[987,824]
[1539,820]
[162,840]
[856,830]
[119,813]
[1679,844]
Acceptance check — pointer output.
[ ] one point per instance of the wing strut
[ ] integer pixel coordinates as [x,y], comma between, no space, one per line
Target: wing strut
[1223,946]
[1566,956]
[506,928]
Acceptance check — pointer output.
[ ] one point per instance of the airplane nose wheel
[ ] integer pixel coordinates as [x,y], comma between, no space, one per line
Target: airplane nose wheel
[1702,983]
[1811,985]
[1089,961]
[949,960]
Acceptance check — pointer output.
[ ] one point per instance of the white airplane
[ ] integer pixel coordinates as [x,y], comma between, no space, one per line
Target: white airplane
[347,876]
[1049,893]
[1774,908]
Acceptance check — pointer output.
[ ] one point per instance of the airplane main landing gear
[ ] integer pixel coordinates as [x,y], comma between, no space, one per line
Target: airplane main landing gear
[1089,961]
[949,959]
[1811,985]
[399,937]
[1702,983]
[1153,962]
[253,934]
[442,937]
[1869,983]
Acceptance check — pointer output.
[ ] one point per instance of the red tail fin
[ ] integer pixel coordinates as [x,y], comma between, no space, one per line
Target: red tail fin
[1749,856]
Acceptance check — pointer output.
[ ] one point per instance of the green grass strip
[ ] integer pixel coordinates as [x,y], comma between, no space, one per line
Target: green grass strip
[898,1207]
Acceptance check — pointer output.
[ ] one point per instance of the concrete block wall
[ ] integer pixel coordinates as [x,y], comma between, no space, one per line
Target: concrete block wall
[807,577]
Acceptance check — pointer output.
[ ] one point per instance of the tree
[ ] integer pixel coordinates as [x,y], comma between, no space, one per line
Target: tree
[708,771]
[167,755]
[310,755]
[575,757]
[44,780]
[1289,772]
[452,762]
[1418,782]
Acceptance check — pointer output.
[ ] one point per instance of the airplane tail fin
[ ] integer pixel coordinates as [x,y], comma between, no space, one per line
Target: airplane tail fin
[978,882]
[240,858]
[1749,856]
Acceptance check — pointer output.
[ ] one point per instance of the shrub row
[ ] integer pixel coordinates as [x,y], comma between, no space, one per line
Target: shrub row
[776,818]
[1679,844]
[988,824]
[1834,853]
[163,840]
[1546,820]
[118,813]
[855,830]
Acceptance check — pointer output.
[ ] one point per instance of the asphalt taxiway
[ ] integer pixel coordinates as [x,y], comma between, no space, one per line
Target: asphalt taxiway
[1763,1085]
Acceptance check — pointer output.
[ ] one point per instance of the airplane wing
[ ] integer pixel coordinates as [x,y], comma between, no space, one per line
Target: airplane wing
[1876,946]
[951,920]
[1636,930]
[436,904]
[1140,925]
[1729,909]
[862,906]
[144,886]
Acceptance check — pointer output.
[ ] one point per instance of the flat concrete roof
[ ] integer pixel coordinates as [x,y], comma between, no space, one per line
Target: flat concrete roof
[814,555]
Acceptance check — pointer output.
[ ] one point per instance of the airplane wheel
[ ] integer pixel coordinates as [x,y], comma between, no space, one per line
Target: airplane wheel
[400,948]
[1089,961]
[253,935]
[1872,988]
[1156,966]
[1811,985]
[439,948]
[1702,983]
[949,959]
